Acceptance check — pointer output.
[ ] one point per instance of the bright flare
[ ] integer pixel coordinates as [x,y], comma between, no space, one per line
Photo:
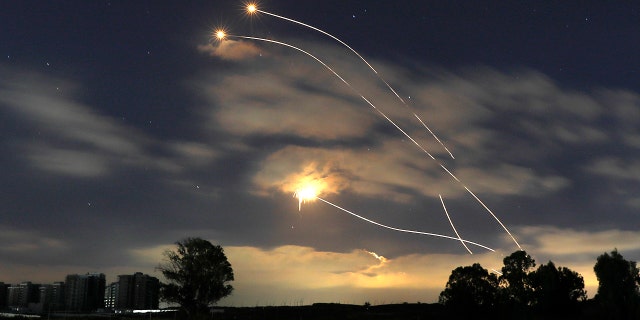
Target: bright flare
[220,34]
[306,194]
[308,191]
[251,8]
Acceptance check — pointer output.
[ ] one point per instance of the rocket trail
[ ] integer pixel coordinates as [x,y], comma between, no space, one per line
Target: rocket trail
[434,136]
[334,38]
[345,82]
[405,230]
[452,226]
[252,9]
[494,216]
[384,116]
[303,51]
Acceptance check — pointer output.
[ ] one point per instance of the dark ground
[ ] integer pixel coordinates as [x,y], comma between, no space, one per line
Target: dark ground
[318,311]
[334,311]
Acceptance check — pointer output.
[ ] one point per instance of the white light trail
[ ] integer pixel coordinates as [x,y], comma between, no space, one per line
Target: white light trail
[434,136]
[452,226]
[405,230]
[252,8]
[494,216]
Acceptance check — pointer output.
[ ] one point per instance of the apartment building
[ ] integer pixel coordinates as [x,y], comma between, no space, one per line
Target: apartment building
[84,293]
[137,292]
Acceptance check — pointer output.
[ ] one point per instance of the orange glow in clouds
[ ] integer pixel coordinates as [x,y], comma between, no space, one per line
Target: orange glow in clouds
[313,181]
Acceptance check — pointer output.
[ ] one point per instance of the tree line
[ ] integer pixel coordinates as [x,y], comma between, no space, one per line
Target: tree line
[521,291]
[198,275]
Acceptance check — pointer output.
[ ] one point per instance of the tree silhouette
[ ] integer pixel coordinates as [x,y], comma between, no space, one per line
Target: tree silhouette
[618,286]
[515,280]
[557,290]
[198,274]
[470,289]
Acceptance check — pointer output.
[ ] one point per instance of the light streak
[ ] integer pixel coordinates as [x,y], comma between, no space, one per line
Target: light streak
[452,226]
[434,136]
[404,230]
[252,8]
[494,216]
[384,116]
[345,82]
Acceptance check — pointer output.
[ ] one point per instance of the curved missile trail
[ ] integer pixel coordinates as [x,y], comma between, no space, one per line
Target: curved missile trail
[350,86]
[405,230]
[384,116]
[452,226]
[252,9]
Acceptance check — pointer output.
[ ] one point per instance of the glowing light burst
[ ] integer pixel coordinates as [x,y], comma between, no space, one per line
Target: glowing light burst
[252,8]
[220,34]
[306,194]
[308,188]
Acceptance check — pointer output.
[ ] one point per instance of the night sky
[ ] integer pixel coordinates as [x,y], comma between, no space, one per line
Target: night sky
[124,127]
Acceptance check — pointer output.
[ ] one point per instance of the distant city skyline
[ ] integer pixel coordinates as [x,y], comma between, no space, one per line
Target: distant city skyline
[83,293]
